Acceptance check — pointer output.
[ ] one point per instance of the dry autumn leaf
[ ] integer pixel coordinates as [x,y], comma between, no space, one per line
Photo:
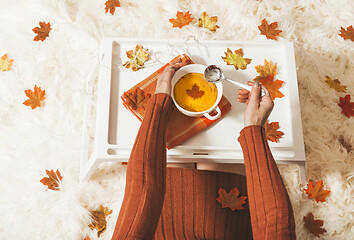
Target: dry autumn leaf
[335,84]
[137,58]
[314,226]
[42,31]
[272,133]
[316,191]
[347,106]
[53,181]
[99,219]
[137,99]
[195,93]
[269,30]
[181,20]
[208,23]
[5,63]
[236,59]
[111,6]
[266,70]
[347,34]
[272,86]
[35,97]
[231,199]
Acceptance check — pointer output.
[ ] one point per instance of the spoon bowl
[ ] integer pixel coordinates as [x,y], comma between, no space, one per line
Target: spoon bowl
[214,74]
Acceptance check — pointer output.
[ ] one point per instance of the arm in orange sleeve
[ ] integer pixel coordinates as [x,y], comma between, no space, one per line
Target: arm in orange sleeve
[270,207]
[146,174]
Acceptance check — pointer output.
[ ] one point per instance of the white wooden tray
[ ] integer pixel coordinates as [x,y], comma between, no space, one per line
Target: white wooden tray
[116,127]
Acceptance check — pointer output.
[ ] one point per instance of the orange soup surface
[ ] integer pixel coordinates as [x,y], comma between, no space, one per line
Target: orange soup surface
[194,93]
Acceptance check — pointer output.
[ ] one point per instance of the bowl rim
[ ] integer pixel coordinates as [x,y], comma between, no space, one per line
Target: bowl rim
[199,68]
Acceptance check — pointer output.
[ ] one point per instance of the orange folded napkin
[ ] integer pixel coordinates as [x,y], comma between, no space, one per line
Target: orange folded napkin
[180,127]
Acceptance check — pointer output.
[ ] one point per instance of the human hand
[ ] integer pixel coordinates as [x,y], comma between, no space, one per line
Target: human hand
[258,108]
[164,81]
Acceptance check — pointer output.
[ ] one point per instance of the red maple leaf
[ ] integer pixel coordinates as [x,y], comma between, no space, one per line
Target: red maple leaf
[314,226]
[269,30]
[272,133]
[316,191]
[231,199]
[346,105]
[347,34]
[42,31]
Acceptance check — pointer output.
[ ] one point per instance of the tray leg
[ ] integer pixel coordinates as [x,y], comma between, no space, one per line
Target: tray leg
[302,172]
[88,169]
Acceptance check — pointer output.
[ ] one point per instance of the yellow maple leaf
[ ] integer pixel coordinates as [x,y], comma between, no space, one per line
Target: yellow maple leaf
[267,69]
[137,58]
[5,63]
[335,84]
[236,59]
[208,22]
[99,219]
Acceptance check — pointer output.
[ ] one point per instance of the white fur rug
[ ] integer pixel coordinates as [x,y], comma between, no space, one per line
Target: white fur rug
[49,137]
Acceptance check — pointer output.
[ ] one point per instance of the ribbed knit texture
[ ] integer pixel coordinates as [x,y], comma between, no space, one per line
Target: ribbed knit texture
[271,211]
[146,174]
[189,209]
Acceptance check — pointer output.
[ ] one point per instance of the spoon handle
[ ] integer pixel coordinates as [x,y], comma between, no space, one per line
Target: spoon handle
[249,88]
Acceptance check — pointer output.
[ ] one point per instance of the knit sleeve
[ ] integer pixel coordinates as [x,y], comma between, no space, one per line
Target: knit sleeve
[270,207]
[146,174]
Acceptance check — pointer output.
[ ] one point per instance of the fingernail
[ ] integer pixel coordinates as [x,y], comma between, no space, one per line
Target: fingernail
[256,84]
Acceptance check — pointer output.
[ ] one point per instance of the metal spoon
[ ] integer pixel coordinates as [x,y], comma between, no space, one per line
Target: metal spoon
[214,74]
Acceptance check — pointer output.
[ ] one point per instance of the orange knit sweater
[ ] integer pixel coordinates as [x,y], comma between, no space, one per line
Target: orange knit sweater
[175,203]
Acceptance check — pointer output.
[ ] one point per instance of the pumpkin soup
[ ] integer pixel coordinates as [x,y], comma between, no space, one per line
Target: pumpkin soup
[194,93]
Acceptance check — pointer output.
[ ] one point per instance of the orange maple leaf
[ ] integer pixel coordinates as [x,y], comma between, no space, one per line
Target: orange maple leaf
[231,199]
[137,99]
[271,85]
[99,219]
[42,31]
[272,133]
[5,63]
[236,59]
[316,191]
[53,181]
[111,6]
[346,105]
[347,34]
[208,22]
[195,93]
[35,97]
[314,226]
[269,30]
[181,20]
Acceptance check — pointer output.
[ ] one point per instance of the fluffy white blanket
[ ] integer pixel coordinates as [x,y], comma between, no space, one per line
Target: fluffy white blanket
[49,137]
